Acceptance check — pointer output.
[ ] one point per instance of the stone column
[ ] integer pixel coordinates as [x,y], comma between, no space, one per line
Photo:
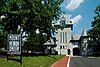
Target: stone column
[71,52]
[62,36]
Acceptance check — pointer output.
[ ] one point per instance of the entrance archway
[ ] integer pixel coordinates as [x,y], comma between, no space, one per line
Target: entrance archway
[68,51]
[76,51]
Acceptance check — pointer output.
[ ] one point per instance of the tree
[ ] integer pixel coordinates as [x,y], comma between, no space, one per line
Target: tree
[29,15]
[3,39]
[35,42]
[94,32]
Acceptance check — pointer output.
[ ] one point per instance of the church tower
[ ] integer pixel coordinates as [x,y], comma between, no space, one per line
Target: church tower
[64,28]
[84,42]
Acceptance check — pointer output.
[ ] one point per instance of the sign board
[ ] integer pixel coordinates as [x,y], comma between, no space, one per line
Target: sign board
[14,44]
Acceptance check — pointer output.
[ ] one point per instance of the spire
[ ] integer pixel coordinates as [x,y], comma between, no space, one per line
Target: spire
[84,33]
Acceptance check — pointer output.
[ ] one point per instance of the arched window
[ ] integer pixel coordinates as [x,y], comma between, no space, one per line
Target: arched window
[60,46]
[62,21]
[68,51]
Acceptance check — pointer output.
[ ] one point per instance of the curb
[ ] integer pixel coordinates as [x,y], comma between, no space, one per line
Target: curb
[68,61]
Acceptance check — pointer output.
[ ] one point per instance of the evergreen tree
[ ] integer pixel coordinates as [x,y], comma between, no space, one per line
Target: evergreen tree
[94,32]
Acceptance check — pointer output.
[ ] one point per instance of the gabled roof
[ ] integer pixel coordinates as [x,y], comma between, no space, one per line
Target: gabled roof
[75,37]
[67,20]
[49,43]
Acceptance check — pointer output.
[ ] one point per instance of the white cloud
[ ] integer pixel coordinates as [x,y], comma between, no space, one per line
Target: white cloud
[73,4]
[76,19]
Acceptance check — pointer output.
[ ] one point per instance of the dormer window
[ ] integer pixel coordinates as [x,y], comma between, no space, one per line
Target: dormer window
[62,21]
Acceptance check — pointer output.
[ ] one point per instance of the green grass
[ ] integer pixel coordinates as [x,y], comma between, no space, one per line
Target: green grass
[35,61]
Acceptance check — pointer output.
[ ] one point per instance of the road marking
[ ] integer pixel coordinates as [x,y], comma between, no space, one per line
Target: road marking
[68,61]
[75,56]
[91,57]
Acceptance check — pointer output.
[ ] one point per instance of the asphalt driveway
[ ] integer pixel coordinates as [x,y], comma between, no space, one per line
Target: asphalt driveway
[84,62]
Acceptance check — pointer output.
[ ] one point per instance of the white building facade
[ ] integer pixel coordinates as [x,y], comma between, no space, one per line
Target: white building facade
[64,28]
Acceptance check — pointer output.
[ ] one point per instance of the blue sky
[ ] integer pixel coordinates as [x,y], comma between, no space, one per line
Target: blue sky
[81,12]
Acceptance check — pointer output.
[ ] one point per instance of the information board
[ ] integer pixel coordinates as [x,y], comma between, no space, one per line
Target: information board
[14,44]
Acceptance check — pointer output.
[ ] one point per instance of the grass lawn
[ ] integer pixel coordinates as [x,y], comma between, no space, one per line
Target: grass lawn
[34,61]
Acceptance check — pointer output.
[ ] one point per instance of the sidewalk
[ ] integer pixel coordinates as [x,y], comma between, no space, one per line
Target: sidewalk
[61,63]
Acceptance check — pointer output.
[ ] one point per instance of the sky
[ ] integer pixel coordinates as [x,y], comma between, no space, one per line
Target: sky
[81,13]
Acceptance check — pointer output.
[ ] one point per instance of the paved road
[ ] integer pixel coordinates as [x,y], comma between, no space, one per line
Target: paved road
[84,62]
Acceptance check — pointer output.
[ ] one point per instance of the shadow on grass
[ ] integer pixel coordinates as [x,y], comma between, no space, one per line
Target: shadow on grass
[15,58]
[3,56]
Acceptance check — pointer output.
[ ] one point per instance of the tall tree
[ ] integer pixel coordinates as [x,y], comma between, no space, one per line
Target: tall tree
[94,32]
[29,15]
